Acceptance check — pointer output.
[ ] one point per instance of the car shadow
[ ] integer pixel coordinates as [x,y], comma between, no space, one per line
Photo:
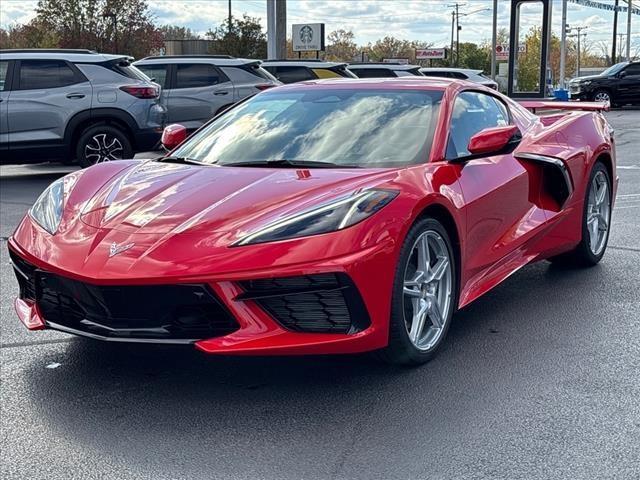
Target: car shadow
[131,401]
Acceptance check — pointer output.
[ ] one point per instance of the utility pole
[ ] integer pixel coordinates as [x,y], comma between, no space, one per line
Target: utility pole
[456,17]
[630,7]
[457,35]
[563,44]
[453,23]
[614,49]
[229,17]
[494,40]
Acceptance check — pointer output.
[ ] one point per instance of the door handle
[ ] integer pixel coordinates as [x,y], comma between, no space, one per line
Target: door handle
[75,95]
[220,93]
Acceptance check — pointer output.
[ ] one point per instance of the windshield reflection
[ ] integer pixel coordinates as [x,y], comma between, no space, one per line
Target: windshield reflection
[345,127]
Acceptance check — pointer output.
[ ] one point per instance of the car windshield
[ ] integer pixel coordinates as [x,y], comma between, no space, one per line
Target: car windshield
[613,69]
[345,127]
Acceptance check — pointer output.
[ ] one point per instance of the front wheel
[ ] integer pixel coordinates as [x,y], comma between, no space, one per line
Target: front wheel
[603,96]
[424,295]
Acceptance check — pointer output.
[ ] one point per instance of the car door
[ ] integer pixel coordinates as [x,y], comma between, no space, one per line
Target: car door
[4,102]
[45,94]
[198,91]
[499,194]
[629,84]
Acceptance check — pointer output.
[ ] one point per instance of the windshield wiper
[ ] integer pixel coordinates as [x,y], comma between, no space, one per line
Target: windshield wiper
[285,163]
[170,159]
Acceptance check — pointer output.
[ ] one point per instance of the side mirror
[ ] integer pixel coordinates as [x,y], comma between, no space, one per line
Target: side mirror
[173,135]
[622,74]
[493,140]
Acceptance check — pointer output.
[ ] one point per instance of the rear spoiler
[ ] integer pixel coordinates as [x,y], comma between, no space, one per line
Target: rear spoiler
[535,105]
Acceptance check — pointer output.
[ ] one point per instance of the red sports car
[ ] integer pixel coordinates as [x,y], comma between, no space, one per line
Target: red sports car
[317,218]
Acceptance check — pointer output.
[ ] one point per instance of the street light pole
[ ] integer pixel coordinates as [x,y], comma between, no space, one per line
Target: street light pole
[630,7]
[563,44]
[614,53]
[453,22]
[494,40]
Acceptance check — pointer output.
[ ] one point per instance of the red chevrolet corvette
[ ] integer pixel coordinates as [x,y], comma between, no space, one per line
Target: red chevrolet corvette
[322,217]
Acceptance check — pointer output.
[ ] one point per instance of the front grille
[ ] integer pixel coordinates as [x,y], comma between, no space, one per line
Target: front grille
[322,303]
[178,312]
[25,273]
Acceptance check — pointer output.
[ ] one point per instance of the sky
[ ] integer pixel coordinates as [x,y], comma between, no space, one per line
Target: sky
[427,21]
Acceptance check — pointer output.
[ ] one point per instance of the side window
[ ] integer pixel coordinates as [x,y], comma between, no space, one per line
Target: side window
[294,74]
[473,112]
[156,72]
[40,74]
[193,75]
[4,66]
[436,74]
[633,70]
[374,73]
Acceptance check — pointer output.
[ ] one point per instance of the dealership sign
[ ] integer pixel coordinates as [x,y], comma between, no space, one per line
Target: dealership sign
[502,51]
[308,37]
[430,53]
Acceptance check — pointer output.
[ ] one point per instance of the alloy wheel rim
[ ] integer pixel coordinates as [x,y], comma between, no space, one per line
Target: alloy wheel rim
[427,290]
[103,147]
[602,97]
[598,213]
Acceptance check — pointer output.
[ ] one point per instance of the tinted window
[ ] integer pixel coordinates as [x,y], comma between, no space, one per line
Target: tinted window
[436,74]
[342,126]
[472,112]
[373,73]
[293,74]
[37,74]
[196,75]
[4,66]
[156,72]
[633,70]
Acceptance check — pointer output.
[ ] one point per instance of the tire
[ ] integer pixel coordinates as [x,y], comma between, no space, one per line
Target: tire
[102,143]
[603,96]
[406,346]
[586,253]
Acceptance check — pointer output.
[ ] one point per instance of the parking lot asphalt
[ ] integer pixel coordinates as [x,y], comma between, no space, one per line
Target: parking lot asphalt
[539,379]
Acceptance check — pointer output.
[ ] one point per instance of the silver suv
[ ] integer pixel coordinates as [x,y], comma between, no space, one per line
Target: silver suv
[384,70]
[75,105]
[195,88]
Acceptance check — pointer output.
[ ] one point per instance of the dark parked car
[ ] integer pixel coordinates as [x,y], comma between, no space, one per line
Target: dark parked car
[618,85]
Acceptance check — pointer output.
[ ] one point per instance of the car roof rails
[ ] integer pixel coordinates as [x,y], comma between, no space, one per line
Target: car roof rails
[297,60]
[188,56]
[82,51]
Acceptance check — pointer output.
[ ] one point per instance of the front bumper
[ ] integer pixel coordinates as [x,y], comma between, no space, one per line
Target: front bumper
[345,310]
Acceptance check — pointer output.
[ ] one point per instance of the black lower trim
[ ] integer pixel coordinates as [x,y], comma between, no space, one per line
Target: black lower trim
[176,313]
[147,139]
[320,303]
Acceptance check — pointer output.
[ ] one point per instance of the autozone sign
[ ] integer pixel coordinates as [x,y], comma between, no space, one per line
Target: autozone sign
[430,53]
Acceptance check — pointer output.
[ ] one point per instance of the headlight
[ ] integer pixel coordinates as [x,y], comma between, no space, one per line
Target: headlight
[47,211]
[336,215]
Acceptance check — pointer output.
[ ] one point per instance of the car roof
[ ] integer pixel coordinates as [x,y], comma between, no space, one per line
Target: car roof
[309,63]
[74,56]
[452,69]
[388,66]
[218,60]
[402,83]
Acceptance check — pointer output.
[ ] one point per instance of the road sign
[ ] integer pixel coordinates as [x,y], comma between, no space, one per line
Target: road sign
[430,53]
[308,37]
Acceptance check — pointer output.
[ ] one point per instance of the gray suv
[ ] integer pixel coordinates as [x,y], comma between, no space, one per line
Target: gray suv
[195,88]
[75,105]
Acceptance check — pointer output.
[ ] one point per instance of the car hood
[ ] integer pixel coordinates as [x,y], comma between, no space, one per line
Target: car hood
[155,197]
[588,77]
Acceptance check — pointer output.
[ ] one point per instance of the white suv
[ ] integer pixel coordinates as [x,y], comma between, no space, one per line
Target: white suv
[475,76]
[384,70]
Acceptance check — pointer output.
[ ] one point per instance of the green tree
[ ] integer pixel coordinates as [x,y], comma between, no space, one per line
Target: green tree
[244,39]
[391,47]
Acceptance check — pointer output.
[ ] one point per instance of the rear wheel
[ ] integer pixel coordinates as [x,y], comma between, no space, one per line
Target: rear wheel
[102,143]
[596,221]
[424,295]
